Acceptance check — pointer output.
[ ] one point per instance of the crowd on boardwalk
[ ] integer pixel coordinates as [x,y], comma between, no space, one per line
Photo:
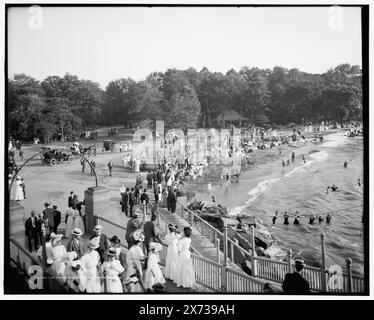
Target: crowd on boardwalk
[102,265]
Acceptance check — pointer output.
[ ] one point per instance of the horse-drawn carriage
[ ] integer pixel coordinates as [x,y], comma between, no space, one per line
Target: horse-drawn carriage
[52,155]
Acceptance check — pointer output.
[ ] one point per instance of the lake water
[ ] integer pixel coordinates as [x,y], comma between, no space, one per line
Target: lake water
[302,187]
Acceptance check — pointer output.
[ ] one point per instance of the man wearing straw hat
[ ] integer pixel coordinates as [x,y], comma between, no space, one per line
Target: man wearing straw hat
[295,283]
[76,244]
[103,241]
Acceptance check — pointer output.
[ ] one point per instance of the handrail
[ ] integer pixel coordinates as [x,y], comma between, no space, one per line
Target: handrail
[248,277]
[206,260]
[111,222]
[273,261]
[26,252]
[47,272]
[216,230]
[162,217]
[201,219]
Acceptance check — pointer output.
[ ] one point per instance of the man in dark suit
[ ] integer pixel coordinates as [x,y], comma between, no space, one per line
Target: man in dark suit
[57,218]
[103,242]
[295,283]
[132,200]
[149,231]
[172,200]
[132,225]
[31,231]
[71,199]
[48,215]
[125,203]
[144,198]
[76,244]
[40,225]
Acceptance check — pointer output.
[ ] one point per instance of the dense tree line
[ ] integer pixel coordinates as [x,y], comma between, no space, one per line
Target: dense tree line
[183,99]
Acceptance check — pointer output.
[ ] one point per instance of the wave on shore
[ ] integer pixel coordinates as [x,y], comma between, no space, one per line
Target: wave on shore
[335,140]
[261,188]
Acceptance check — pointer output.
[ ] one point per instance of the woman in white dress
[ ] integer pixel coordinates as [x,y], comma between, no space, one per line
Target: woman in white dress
[171,240]
[153,274]
[19,189]
[160,193]
[58,251]
[135,255]
[90,263]
[136,165]
[70,216]
[185,272]
[111,269]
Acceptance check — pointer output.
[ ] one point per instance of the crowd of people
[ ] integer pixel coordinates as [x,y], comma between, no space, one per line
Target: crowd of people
[165,182]
[101,265]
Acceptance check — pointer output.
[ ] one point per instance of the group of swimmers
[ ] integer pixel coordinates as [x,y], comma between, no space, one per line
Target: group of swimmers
[297,216]
[292,160]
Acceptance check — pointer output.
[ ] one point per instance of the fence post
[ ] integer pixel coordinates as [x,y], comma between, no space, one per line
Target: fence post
[348,263]
[323,265]
[289,257]
[223,270]
[218,251]
[232,251]
[253,255]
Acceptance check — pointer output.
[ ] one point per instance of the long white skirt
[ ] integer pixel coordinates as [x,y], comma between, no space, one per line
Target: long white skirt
[171,262]
[185,272]
[153,274]
[113,284]
[19,193]
[93,283]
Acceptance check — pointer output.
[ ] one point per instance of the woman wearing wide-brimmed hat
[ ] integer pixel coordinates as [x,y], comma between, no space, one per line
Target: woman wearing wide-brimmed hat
[153,274]
[111,270]
[185,271]
[135,255]
[91,266]
[171,240]
[58,251]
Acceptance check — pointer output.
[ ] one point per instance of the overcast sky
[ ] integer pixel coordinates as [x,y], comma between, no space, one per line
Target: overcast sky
[103,44]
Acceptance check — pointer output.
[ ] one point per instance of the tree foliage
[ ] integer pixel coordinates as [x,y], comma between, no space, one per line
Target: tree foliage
[184,99]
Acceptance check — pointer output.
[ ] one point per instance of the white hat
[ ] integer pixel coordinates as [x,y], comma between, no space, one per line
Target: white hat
[94,243]
[155,246]
[56,236]
[49,261]
[138,235]
[77,232]
[98,227]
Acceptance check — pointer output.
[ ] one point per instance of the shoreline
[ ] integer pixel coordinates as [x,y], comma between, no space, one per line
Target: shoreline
[263,166]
